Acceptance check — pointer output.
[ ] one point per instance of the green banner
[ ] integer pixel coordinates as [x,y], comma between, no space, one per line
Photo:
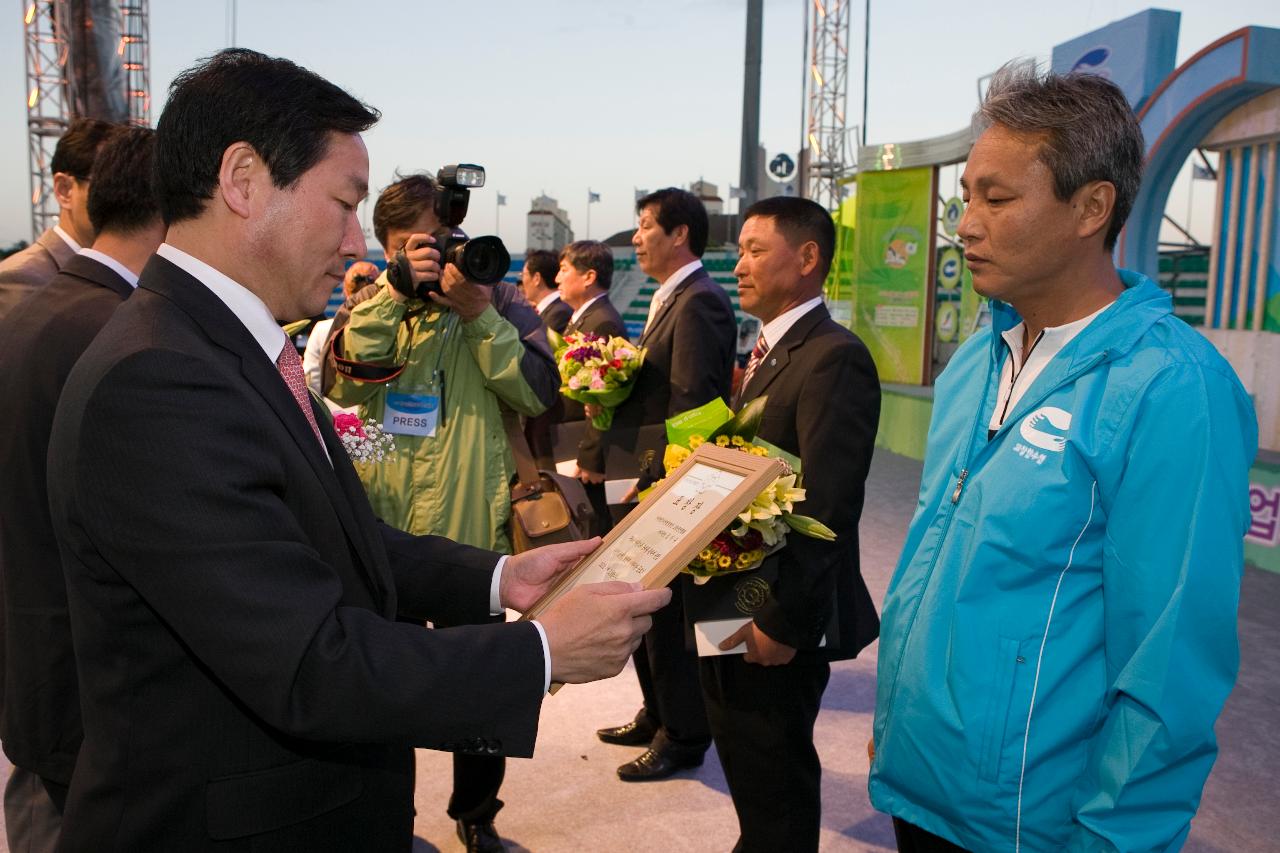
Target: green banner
[895,216]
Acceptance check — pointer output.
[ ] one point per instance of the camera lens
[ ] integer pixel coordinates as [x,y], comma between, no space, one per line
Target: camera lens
[483,259]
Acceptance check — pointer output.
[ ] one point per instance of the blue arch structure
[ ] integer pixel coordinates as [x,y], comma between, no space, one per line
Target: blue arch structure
[1189,103]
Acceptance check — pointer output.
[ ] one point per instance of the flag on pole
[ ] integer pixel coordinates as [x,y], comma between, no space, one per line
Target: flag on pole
[1202,173]
[736,192]
[641,194]
[502,200]
[592,198]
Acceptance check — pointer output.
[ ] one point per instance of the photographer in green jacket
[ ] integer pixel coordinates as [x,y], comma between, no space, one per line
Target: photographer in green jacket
[462,354]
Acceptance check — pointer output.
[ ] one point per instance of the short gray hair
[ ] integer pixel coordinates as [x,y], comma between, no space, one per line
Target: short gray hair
[1090,132]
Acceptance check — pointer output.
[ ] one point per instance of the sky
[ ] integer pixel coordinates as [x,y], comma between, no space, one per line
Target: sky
[567,96]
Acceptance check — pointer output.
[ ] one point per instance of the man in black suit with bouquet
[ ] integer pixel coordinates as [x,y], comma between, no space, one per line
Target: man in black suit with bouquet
[233,601]
[822,405]
[690,339]
[586,271]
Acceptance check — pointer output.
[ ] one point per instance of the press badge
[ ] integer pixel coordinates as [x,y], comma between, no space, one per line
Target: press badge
[412,414]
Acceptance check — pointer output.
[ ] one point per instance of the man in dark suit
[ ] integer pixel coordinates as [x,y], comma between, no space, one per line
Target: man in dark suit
[44,336]
[584,276]
[690,338]
[25,271]
[538,284]
[244,683]
[822,405]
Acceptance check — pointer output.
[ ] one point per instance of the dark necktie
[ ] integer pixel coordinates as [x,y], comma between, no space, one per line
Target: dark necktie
[290,367]
[757,356]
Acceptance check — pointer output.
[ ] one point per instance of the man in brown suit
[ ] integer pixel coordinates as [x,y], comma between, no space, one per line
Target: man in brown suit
[24,271]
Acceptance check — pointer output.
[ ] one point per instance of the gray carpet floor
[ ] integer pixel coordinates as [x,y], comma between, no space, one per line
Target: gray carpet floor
[567,798]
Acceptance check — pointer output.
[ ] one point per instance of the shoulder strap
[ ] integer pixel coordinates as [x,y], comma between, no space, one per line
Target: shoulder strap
[526,469]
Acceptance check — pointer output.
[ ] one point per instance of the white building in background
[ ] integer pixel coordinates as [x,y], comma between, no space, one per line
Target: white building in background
[548,225]
[709,194]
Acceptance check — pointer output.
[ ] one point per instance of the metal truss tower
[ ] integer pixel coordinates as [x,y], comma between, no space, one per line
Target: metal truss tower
[51,96]
[135,50]
[829,155]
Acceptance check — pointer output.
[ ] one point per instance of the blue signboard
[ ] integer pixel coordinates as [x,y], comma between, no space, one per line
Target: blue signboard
[1136,53]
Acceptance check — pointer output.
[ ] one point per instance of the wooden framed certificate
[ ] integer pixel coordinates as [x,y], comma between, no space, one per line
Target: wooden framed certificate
[674,522]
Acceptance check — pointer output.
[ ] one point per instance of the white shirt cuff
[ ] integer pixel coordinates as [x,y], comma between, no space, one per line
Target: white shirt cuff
[495,607]
[546,656]
[495,588]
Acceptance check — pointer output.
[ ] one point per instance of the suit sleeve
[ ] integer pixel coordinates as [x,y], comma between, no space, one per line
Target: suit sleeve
[837,414]
[702,352]
[537,365]
[210,546]
[1172,563]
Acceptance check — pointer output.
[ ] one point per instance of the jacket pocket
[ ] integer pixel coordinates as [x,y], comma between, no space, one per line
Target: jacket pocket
[251,803]
[996,720]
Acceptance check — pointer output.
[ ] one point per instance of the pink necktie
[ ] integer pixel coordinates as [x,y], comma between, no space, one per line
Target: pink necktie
[290,367]
[757,356]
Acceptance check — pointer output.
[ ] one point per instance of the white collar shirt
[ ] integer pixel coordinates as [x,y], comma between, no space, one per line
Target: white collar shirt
[780,325]
[112,264]
[578,313]
[1020,372]
[668,287]
[545,302]
[244,303]
[66,238]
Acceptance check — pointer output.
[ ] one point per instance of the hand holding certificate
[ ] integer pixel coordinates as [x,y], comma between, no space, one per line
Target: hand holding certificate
[676,521]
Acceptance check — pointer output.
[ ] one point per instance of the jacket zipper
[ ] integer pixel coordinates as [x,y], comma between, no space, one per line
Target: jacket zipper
[955,499]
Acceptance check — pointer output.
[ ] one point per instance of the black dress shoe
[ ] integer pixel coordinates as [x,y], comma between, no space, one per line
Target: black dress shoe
[657,764]
[634,733]
[480,837]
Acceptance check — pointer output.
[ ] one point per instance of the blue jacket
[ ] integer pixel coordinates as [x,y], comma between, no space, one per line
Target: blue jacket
[1060,632]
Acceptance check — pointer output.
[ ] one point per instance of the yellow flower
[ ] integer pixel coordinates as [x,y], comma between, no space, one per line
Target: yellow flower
[737,441]
[695,441]
[673,456]
[705,555]
[725,561]
[722,441]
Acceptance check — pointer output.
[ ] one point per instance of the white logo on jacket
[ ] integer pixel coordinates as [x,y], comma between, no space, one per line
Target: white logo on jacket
[1032,428]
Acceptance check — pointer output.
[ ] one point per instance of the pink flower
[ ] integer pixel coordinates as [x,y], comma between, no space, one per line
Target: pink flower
[346,422]
[597,384]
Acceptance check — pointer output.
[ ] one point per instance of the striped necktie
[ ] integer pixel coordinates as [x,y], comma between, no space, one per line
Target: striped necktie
[757,356]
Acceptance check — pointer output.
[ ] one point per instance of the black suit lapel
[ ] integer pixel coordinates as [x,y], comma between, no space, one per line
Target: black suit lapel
[96,272]
[779,354]
[225,329]
[665,311]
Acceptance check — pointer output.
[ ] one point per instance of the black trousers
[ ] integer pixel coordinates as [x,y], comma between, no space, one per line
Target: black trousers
[762,719]
[476,781]
[668,675]
[913,839]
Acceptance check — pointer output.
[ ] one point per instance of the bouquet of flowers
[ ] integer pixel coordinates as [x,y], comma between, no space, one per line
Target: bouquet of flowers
[364,441]
[597,370]
[761,528]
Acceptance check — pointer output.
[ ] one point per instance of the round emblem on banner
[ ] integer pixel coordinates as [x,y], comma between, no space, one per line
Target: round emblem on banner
[782,167]
[951,213]
[946,322]
[950,267]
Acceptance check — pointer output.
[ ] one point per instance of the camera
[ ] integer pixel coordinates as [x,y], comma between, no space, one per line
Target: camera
[481,259]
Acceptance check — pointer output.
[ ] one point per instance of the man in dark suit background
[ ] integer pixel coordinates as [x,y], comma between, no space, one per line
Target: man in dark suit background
[44,336]
[71,165]
[538,284]
[823,405]
[584,276]
[243,680]
[690,338]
